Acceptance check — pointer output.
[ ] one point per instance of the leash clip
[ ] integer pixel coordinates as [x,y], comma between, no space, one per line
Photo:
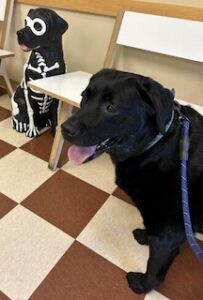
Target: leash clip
[181,116]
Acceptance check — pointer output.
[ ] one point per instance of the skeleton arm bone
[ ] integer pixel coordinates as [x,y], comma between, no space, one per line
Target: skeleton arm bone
[33,130]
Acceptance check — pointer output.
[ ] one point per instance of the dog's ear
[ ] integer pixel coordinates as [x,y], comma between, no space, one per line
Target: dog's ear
[30,11]
[59,25]
[154,94]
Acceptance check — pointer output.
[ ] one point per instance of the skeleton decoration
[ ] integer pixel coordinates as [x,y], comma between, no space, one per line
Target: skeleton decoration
[42,35]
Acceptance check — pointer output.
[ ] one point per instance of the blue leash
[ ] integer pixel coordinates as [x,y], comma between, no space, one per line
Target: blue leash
[184,187]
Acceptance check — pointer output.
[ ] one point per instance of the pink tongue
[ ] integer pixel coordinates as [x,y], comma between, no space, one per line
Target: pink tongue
[78,155]
[24,48]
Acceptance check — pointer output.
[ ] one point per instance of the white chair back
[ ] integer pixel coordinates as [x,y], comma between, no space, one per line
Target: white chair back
[6,10]
[2,9]
[164,35]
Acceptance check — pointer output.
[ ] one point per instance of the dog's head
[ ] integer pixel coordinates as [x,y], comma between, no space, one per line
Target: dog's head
[42,28]
[120,114]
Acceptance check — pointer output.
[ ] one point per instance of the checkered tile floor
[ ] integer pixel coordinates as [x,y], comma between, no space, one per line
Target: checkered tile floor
[67,235]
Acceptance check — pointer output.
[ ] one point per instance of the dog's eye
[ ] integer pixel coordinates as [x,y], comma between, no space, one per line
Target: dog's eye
[37,26]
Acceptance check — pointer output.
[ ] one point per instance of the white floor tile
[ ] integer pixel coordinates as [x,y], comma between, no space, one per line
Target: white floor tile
[21,173]
[99,172]
[11,136]
[109,234]
[199,236]
[30,247]
[154,295]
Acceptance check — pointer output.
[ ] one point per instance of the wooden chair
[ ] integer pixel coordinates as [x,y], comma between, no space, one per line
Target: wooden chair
[6,9]
[160,34]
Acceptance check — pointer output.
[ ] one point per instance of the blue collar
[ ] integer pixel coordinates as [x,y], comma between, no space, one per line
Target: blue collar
[159,136]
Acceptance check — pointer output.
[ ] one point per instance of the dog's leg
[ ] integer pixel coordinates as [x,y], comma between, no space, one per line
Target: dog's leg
[140,236]
[163,248]
[19,111]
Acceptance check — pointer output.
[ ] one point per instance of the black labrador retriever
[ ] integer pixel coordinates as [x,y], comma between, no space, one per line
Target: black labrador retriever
[136,121]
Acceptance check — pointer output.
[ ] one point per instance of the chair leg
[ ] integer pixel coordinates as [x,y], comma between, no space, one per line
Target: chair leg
[66,110]
[8,85]
[3,72]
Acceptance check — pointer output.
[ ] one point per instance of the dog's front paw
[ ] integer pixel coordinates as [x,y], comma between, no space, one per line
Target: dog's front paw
[19,126]
[137,282]
[32,132]
[141,236]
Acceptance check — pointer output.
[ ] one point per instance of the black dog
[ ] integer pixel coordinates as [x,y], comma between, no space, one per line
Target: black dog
[135,120]
[42,34]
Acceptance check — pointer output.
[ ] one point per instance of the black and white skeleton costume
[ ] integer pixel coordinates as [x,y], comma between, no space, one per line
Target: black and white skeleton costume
[42,35]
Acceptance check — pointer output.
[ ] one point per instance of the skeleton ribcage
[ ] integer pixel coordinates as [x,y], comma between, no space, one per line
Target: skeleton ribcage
[42,100]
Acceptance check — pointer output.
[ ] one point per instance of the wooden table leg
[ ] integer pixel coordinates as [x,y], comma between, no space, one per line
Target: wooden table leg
[66,110]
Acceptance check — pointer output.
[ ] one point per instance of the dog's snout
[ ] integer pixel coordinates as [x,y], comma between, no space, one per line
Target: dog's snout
[72,129]
[20,33]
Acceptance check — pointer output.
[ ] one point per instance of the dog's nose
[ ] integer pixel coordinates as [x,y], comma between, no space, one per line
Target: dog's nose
[72,129]
[69,130]
[20,36]
[20,33]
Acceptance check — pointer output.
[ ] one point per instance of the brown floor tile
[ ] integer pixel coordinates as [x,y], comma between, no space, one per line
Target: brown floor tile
[2,92]
[41,147]
[66,202]
[4,113]
[64,154]
[119,193]
[184,280]
[3,297]
[81,274]
[6,205]
[5,148]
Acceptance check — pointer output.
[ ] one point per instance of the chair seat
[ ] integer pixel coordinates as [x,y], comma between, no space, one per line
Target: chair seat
[66,87]
[5,53]
[197,107]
